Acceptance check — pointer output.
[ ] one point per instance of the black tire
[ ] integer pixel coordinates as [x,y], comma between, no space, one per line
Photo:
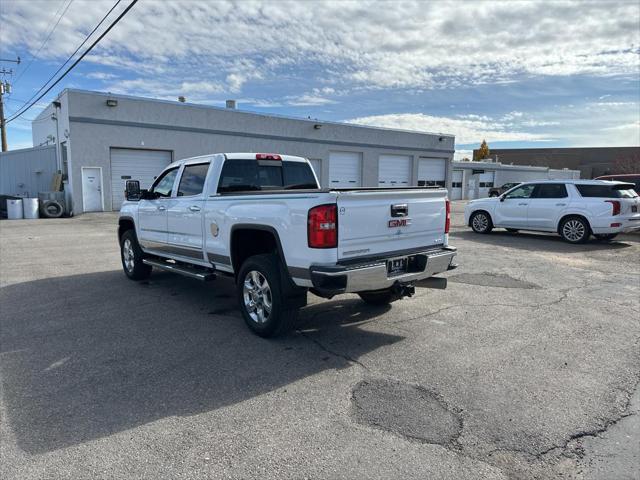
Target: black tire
[512,230]
[282,315]
[481,222]
[606,237]
[378,297]
[574,230]
[132,264]
[52,209]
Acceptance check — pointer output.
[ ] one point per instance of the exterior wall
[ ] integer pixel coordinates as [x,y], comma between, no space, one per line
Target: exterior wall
[591,162]
[27,171]
[191,130]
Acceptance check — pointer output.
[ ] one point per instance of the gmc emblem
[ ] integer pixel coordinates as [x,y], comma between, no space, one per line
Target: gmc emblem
[400,222]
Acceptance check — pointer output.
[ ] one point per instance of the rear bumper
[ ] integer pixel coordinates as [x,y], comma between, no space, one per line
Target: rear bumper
[372,275]
[628,224]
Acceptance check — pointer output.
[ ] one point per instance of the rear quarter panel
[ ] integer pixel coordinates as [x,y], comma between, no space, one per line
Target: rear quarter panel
[284,213]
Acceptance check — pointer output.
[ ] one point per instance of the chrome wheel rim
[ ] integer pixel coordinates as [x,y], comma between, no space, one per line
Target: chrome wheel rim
[256,293]
[128,256]
[573,230]
[480,222]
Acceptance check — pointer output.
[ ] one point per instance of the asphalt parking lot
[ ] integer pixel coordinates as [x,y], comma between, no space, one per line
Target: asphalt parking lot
[526,366]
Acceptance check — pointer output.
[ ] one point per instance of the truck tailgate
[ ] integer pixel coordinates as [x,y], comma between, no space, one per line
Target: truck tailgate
[373,222]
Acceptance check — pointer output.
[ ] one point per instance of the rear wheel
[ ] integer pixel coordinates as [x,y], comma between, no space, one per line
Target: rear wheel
[481,222]
[378,297]
[131,255]
[605,237]
[265,308]
[575,230]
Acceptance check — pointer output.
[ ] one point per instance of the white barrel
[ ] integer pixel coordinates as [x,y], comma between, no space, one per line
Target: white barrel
[30,207]
[14,209]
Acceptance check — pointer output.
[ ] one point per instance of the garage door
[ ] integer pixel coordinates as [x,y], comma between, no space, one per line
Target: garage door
[456,185]
[316,164]
[485,183]
[128,164]
[394,171]
[431,171]
[345,169]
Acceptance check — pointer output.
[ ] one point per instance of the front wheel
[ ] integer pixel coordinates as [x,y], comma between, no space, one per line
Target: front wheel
[131,255]
[575,230]
[264,307]
[606,237]
[378,297]
[481,222]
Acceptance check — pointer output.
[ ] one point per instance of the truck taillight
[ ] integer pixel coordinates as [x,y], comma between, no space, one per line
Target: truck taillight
[268,156]
[322,226]
[447,222]
[616,206]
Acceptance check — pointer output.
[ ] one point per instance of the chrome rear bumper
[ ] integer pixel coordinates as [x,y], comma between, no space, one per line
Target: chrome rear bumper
[373,275]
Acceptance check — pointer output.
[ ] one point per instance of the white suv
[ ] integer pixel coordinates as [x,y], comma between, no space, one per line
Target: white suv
[574,209]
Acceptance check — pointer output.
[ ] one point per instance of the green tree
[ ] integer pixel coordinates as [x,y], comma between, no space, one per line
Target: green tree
[483,152]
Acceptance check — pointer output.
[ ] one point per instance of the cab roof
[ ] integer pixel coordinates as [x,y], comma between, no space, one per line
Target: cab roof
[235,156]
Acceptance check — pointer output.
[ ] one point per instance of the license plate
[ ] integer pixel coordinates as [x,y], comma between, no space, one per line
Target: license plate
[634,208]
[397,266]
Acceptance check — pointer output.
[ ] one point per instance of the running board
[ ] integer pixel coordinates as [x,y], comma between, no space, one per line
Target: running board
[203,276]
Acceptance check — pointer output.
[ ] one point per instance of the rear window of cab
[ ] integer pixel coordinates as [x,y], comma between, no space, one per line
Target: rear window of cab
[605,191]
[252,175]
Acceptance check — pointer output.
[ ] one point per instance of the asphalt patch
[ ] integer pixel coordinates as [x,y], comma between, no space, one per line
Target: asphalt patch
[492,280]
[407,410]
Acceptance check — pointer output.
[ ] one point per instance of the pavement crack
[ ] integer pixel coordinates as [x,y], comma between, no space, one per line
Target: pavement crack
[326,349]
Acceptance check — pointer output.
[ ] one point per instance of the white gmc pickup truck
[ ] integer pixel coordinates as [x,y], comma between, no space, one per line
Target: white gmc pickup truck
[263,220]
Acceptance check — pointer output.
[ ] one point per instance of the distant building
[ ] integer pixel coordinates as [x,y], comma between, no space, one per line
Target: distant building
[470,180]
[591,161]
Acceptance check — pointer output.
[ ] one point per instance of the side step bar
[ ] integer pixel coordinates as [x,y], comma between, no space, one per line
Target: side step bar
[202,275]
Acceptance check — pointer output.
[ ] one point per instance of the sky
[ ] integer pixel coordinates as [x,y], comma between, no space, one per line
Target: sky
[516,73]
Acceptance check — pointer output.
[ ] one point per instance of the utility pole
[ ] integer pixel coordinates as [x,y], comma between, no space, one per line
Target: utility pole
[5,89]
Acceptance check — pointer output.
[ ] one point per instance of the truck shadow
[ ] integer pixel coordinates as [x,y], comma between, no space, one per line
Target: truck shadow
[88,356]
[533,241]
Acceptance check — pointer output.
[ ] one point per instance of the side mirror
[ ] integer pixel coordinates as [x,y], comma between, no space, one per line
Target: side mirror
[502,197]
[132,190]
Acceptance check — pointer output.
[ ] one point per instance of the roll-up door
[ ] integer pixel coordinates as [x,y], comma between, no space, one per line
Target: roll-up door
[345,169]
[394,171]
[132,164]
[431,171]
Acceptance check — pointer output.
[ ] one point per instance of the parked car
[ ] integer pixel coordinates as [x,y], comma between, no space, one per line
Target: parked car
[497,191]
[574,209]
[262,220]
[626,177]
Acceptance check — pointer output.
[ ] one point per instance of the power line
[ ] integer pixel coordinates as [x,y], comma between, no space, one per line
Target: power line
[70,56]
[113,24]
[33,57]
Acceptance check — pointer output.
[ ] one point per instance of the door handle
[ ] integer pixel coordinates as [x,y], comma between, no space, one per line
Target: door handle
[162,208]
[194,208]
[560,204]
[522,204]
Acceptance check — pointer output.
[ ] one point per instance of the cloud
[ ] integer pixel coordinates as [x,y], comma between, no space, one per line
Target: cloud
[466,131]
[311,99]
[101,76]
[363,44]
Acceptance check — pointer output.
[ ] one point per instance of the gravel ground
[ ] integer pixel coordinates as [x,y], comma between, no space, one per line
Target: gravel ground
[526,366]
